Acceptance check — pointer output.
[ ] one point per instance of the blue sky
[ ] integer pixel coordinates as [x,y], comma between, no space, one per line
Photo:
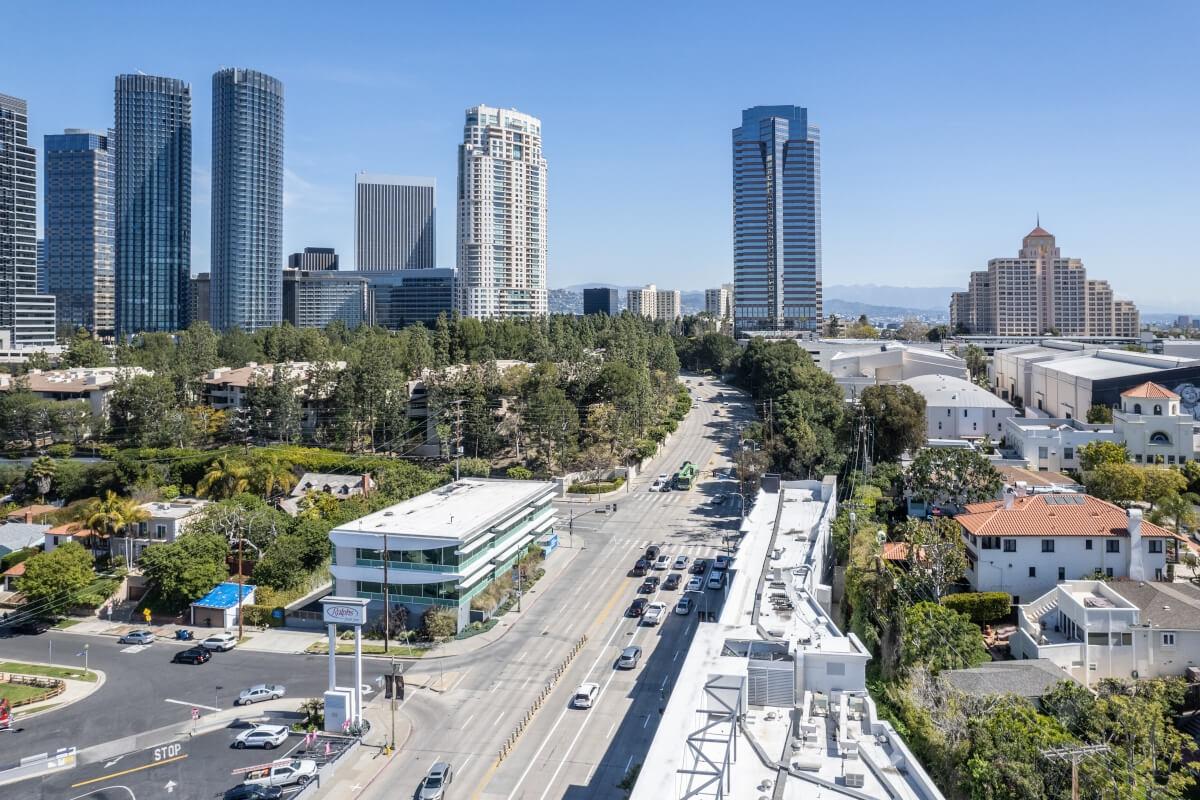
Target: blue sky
[945,126]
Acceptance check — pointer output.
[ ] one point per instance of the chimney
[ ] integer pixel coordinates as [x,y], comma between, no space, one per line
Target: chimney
[1009,495]
[366,482]
[1137,569]
[28,516]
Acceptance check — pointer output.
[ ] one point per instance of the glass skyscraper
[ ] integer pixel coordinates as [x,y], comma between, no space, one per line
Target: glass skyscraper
[154,202]
[80,228]
[247,200]
[776,221]
[26,317]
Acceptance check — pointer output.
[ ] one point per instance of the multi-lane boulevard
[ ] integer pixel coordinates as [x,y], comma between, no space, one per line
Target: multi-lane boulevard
[565,752]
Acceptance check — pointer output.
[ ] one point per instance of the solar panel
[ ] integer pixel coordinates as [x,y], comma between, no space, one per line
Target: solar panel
[1064,499]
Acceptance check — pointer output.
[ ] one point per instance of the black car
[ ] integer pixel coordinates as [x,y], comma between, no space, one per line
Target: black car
[699,566]
[252,792]
[649,586]
[639,569]
[193,655]
[652,552]
[672,581]
[637,608]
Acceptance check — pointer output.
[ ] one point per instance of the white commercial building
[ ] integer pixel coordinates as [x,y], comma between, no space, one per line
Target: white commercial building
[1026,545]
[1121,629]
[501,215]
[958,409]
[91,385]
[1053,444]
[166,521]
[1067,387]
[1010,372]
[858,367]
[444,547]
[771,700]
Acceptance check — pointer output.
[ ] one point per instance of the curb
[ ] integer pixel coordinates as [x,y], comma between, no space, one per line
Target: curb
[101,679]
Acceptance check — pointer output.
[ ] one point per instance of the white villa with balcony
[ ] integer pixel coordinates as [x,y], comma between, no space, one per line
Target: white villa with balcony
[1123,629]
[444,547]
[166,521]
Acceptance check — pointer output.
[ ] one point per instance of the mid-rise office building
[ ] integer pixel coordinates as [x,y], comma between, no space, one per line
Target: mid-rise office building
[718,303]
[394,222]
[315,298]
[502,215]
[314,258]
[200,299]
[777,221]
[403,297]
[1039,292]
[153,190]
[600,300]
[654,303]
[26,317]
[247,200]
[80,229]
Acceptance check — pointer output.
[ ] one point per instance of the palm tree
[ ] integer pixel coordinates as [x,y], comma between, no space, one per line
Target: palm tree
[225,478]
[41,475]
[112,515]
[1180,508]
[272,475]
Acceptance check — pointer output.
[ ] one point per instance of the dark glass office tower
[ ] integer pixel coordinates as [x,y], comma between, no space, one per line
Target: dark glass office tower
[154,202]
[80,228]
[247,200]
[776,221]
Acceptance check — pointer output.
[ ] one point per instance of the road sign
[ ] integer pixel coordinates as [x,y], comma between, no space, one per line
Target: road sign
[195,713]
[146,615]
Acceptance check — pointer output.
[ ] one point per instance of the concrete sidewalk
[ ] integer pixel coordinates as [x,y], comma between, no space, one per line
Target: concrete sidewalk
[363,766]
[268,640]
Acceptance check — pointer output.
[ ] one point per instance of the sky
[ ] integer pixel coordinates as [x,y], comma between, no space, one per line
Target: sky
[946,128]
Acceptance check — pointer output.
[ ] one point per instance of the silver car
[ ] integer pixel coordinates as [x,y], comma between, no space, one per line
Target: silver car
[137,637]
[267,737]
[433,787]
[263,691]
[630,657]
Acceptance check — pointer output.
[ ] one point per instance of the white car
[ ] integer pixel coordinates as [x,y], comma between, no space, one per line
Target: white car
[662,562]
[585,695]
[220,641]
[684,606]
[654,613]
[680,562]
[266,736]
[696,584]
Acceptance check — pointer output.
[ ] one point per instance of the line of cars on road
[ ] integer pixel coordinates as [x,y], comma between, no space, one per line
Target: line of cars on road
[652,613]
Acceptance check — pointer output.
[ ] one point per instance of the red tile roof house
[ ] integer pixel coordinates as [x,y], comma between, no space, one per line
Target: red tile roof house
[1027,545]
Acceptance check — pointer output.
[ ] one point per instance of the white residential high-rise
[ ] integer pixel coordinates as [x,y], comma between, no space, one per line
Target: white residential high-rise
[719,302]
[501,215]
[654,303]
[394,222]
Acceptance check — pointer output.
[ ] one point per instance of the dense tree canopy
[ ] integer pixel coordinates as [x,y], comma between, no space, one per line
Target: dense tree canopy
[952,475]
[53,580]
[897,416]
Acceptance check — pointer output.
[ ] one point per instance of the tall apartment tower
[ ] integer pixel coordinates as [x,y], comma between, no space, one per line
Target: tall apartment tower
[501,215]
[43,283]
[394,222]
[153,203]
[80,228]
[26,317]
[247,200]
[776,221]
[654,303]
[1040,292]
[719,302]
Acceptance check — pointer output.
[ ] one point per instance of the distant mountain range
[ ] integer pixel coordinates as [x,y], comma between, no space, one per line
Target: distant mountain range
[928,298]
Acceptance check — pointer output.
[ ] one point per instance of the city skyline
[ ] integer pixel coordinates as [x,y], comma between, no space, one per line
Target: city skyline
[888,182]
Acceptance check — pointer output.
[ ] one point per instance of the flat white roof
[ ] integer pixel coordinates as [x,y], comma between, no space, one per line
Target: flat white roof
[1115,364]
[454,511]
[946,391]
[393,180]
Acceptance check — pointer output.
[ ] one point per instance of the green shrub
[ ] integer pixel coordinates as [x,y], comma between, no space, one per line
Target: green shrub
[62,450]
[519,473]
[982,607]
[597,487]
[439,623]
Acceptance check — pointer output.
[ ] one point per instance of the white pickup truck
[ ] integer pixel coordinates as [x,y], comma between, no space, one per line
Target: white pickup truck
[654,613]
[281,773]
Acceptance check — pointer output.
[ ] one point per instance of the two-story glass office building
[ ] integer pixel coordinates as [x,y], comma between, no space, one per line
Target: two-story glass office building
[443,547]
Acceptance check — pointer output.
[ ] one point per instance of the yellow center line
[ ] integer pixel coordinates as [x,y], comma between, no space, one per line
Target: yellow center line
[127,771]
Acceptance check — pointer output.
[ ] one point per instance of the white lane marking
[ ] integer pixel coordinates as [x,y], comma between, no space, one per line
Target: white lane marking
[629,763]
[468,722]
[497,722]
[189,703]
[108,764]
[647,722]
[495,686]
[674,656]
[610,730]
[664,683]
[463,765]
[135,648]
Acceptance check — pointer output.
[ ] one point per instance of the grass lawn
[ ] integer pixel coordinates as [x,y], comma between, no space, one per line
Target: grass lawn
[347,648]
[15,692]
[49,672]
[66,623]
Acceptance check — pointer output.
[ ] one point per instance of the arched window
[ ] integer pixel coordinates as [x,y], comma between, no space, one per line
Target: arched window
[1137,408]
[1158,437]
[1158,411]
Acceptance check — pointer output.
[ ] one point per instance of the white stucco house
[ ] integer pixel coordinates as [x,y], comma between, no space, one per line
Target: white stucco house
[958,409]
[167,521]
[1152,426]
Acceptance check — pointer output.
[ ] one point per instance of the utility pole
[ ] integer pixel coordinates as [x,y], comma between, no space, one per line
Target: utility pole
[241,586]
[387,612]
[395,690]
[1075,755]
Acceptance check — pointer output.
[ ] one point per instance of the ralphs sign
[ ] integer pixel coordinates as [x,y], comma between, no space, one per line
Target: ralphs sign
[345,610]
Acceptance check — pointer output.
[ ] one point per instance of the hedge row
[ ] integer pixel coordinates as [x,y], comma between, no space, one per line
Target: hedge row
[600,487]
[982,607]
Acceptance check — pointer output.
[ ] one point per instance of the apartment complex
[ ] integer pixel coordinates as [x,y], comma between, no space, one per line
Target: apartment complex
[776,221]
[79,248]
[1037,292]
[718,302]
[501,215]
[26,317]
[394,222]
[654,303]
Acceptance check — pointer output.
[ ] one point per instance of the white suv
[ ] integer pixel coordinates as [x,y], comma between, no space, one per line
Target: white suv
[654,613]
[585,695]
[220,641]
[265,736]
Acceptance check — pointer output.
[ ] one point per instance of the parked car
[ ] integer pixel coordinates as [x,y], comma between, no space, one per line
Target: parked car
[33,627]
[250,792]
[267,737]
[662,562]
[285,772]
[716,580]
[649,586]
[640,567]
[193,655]
[260,692]
[585,695]
[699,566]
[718,500]
[672,582]
[637,607]
[137,637]
[220,641]
[696,584]
[630,657]
[684,606]
[652,552]
[654,613]
[433,787]
[722,562]
[680,562]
